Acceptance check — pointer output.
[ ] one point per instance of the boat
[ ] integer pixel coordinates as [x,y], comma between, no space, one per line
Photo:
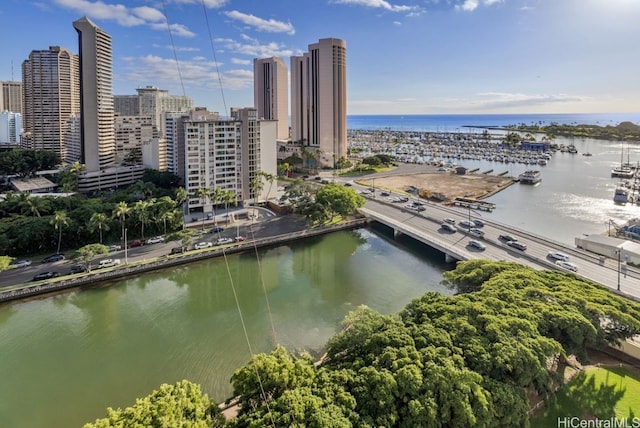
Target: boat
[530,177]
[587,154]
[622,172]
[621,195]
[572,149]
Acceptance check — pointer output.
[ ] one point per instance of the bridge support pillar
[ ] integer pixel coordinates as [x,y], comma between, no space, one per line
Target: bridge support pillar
[449,259]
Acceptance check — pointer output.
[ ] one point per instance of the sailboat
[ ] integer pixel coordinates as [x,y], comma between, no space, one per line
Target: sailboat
[624,170]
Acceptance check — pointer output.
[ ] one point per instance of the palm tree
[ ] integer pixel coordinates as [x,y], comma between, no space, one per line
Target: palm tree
[121,211]
[99,221]
[256,185]
[216,196]
[203,193]
[60,220]
[34,205]
[181,198]
[270,178]
[164,206]
[142,211]
[228,196]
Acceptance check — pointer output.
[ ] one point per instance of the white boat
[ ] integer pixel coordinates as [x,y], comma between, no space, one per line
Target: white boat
[622,172]
[621,195]
[530,177]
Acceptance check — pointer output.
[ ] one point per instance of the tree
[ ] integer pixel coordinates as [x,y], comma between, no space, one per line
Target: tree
[216,196]
[89,252]
[5,262]
[121,211]
[142,212]
[228,197]
[60,219]
[35,205]
[270,178]
[284,169]
[182,404]
[256,185]
[339,200]
[203,194]
[99,221]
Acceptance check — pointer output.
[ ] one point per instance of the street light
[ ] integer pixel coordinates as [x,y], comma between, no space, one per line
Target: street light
[126,260]
[617,250]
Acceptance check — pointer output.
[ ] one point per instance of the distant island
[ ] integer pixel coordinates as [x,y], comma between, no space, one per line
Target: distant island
[627,131]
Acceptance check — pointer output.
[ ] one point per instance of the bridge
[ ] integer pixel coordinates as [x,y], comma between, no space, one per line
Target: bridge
[425,226]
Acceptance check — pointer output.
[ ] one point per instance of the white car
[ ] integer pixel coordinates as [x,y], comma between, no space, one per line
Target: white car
[567,265]
[155,240]
[477,245]
[223,241]
[201,245]
[108,263]
[449,220]
[466,224]
[476,232]
[22,263]
[558,256]
[448,227]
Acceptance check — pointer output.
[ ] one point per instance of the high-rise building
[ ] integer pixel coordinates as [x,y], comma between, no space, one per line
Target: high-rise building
[270,93]
[151,101]
[96,96]
[131,133]
[51,96]
[11,96]
[10,125]
[319,100]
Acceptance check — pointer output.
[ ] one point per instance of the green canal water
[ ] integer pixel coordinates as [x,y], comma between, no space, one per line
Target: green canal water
[65,359]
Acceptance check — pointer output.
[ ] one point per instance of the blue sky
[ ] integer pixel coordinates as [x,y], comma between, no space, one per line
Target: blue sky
[403,57]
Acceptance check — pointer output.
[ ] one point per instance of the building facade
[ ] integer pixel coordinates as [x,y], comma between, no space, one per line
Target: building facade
[270,93]
[131,134]
[96,96]
[319,100]
[10,126]
[11,96]
[51,96]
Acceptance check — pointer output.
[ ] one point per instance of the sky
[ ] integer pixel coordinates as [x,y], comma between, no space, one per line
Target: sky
[403,56]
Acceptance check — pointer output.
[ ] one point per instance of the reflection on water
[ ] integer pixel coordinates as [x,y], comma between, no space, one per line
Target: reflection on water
[77,353]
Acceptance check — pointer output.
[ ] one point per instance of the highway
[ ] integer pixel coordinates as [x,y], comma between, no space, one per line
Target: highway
[426,227]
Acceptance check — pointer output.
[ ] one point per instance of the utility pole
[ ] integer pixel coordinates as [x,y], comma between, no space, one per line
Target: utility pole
[618,254]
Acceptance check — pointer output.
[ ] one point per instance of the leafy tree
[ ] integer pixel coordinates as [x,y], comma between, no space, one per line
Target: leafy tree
[182,404]
[142,212]
[343,163]
[89,252]
[203,194]
[121,211]
[60,219]
[165,180]
[339,200]
[5,262]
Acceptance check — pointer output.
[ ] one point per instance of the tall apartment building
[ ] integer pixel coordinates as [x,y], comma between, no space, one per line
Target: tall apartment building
[226,153]
[51,96]
[131,134]
[270,92]
[10,126]
[96,96]
[151,101]
[319,99]
[11,96]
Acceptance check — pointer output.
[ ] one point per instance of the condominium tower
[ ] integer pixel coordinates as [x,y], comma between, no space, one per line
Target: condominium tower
[319,100]
[270,93]
[96,96]
[51,96]
[11,96]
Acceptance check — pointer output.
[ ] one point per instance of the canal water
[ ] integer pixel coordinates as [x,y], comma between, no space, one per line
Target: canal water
[68,357]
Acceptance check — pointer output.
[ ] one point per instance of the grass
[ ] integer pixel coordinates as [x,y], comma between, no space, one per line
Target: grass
[598,392]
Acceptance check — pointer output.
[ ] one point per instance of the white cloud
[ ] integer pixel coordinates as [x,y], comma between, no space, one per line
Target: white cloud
[507,99]
[213,4]
[239,61]
[471,5]
[270,26]
[148,13]
[378,4]
[176,29]
[254,49]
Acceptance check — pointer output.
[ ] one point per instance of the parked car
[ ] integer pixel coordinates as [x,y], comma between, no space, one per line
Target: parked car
[77,269]
[448,227]
[223,241]
[201,245]
[240,238]
[517,245]
[155,240]
[567,265]
[115,247]
[217,229]
[45,275]
[22,263]
[477,245]
[177,250]
[506,238]
[556,255]
[136,243]
[53,258]
[108,263]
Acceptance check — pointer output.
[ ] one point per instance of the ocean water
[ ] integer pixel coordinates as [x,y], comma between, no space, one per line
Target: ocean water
[462,122]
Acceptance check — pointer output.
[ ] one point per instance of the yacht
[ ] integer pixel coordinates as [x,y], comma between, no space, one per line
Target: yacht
[622,172]
[621,195]
[530,177]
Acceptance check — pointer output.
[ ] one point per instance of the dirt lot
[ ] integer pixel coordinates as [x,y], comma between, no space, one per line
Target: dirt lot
[450,186]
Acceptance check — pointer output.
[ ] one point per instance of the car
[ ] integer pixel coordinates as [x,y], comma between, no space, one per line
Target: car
[478,223]
[22,263]
[466,224]
[77,269]
[517,245]
[448,227]
[385,194]
[155,240]
[365,192]
[403,199]
[556,255]
[136,243]
[45,275]
[108,263]
[115,247]
[567,265]
[317,178]
[411,207]
[348,184]
[223,241]
[324,181]
[202,245]
[449,220]
[418,203]
[53,258]
[304,177]
[240,238]
[477,245]
[506,238]
[476,232]
[177,250]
